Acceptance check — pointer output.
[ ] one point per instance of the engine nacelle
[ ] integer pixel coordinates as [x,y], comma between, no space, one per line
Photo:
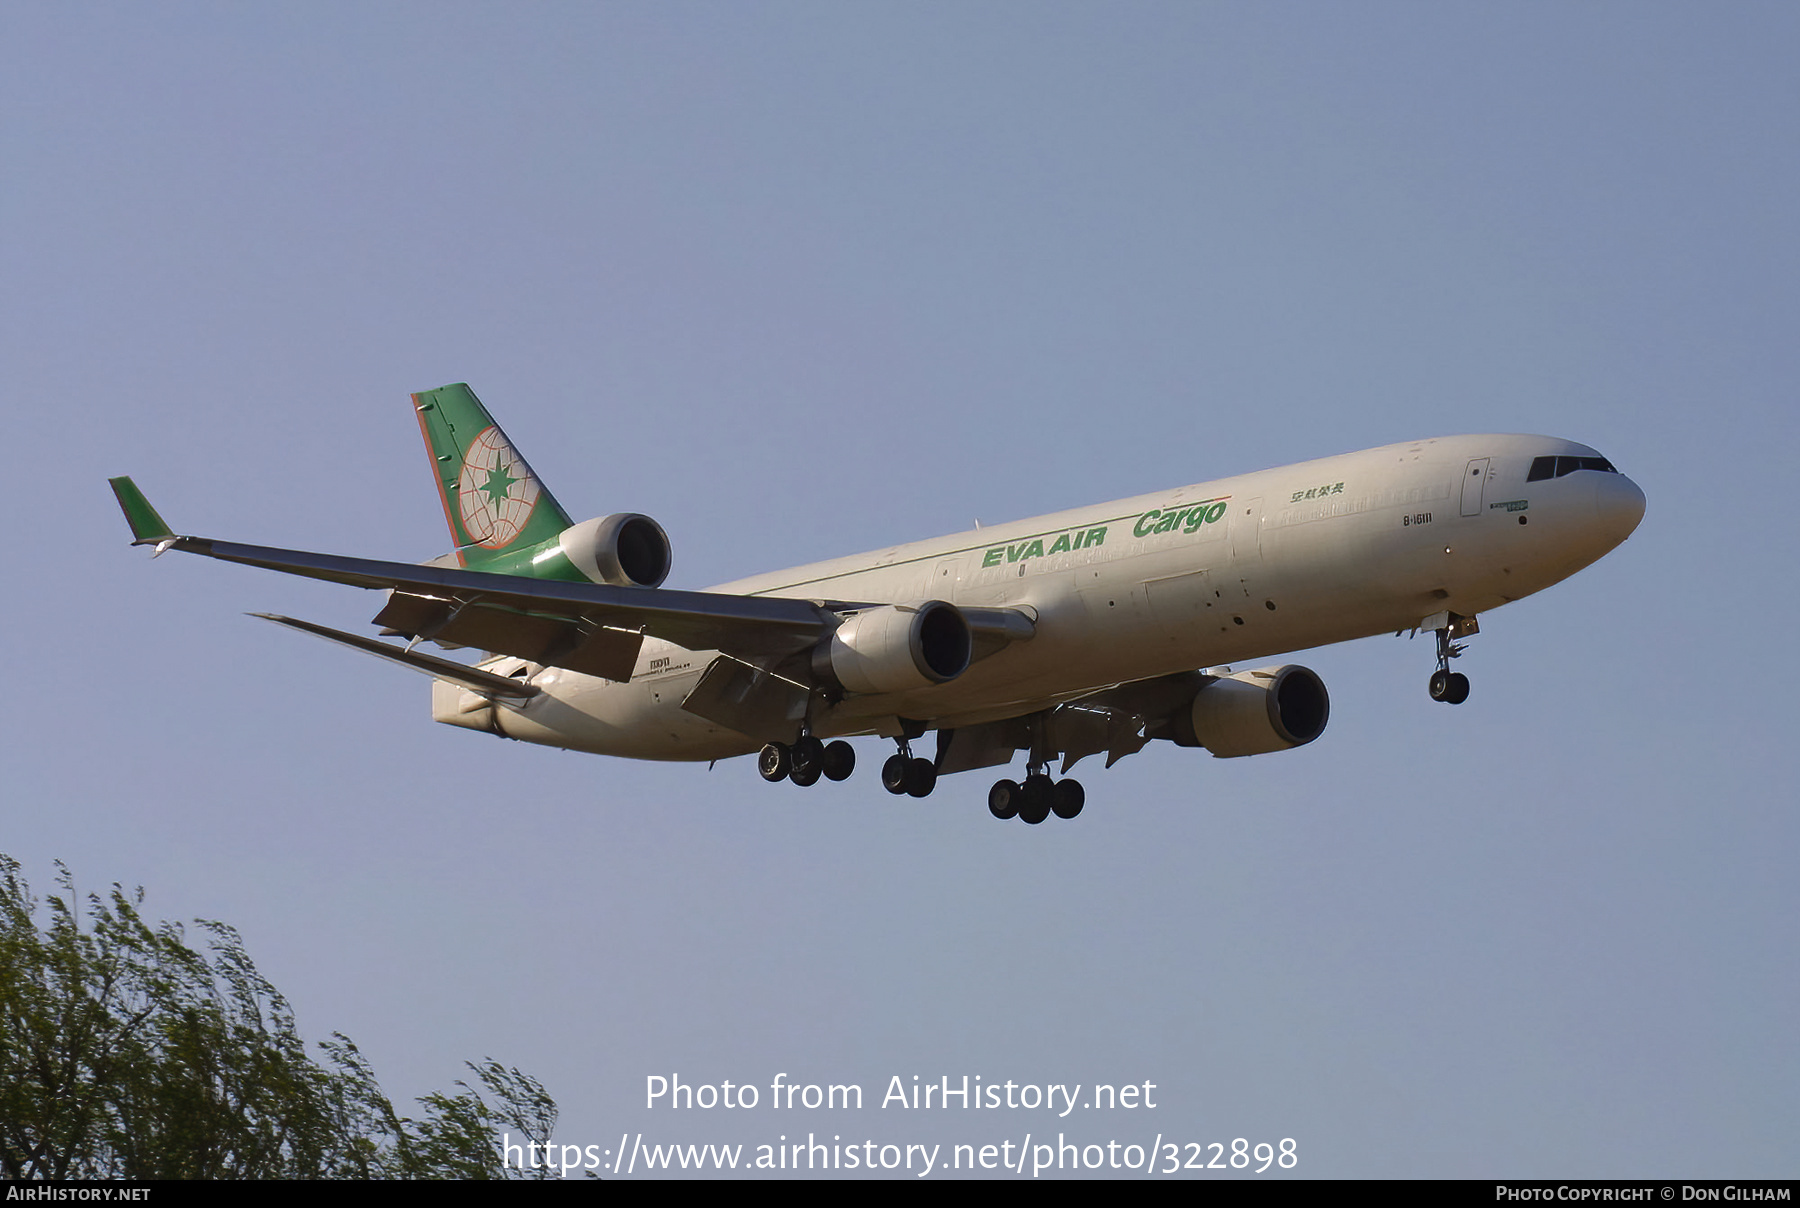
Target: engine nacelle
[1255,712]
[896,647]
[624,549]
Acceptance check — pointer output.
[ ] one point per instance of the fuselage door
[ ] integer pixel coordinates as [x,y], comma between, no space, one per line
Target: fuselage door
[1246,531]
[1474,486]
[943,585]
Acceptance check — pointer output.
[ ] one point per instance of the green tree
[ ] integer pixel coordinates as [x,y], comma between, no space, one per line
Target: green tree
[127,1054]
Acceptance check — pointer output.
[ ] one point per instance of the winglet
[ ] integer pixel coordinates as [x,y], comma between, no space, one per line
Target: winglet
[147,528]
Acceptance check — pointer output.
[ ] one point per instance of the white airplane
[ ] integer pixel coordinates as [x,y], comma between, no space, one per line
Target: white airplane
[1084,632]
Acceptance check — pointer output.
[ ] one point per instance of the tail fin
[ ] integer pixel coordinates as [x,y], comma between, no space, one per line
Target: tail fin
[492,500]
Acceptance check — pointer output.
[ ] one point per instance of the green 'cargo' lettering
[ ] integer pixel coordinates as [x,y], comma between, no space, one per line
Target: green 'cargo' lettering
[1187,519]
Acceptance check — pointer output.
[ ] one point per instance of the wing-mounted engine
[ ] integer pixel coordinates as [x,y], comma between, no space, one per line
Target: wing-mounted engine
[1254,712]
[875,648]
[625,549]
[895,648]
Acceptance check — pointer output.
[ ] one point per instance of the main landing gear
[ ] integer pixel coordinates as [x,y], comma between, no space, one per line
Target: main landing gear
[1451,687]
[806,761]
[905,773]
[1037,798]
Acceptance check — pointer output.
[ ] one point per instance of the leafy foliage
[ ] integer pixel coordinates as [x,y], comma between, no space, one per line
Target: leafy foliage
[127,1054]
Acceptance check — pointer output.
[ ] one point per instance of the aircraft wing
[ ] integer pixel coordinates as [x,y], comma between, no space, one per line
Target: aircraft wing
[1116,721]
[592,628]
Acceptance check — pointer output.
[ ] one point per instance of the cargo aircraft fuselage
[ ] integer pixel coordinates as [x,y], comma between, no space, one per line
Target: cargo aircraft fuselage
[1090,631]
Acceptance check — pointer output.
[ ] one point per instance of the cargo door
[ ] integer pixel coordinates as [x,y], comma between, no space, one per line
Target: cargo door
[1474,486]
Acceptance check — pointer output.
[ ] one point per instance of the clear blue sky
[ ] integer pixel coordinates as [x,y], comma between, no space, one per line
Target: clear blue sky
[805,279]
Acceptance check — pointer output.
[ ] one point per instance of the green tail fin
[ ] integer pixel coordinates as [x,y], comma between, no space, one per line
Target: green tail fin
[492,501]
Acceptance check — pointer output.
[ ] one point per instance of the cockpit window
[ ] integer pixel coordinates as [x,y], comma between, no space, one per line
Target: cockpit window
[1556,467]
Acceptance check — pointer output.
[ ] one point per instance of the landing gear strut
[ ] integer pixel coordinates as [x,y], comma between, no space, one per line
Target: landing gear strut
[1451,687]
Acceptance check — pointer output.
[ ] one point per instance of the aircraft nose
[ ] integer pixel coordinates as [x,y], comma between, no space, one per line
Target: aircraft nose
[1619,503]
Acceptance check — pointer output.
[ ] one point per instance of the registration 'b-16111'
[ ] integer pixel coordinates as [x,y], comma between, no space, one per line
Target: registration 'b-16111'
[1088,632]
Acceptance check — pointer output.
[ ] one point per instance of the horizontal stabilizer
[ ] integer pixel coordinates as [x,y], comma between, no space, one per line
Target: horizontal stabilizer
[438,668]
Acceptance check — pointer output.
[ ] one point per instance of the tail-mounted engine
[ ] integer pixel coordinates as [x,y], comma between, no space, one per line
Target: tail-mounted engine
[624,549]
[895,648]
[1255,712]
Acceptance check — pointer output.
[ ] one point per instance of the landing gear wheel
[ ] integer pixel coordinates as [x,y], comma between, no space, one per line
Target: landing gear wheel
[1034,798]
[839,760]
[893,774]
[1003,799]
[1067,798]
[1440,685]
[774,763]
[921,777]
[1459,688]
[809,759]
[1451,687]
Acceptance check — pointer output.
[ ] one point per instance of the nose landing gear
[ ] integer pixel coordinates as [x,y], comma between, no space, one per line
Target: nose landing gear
[1451,687]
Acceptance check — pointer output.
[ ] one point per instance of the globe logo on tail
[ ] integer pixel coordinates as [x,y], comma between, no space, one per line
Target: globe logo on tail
[497,491]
